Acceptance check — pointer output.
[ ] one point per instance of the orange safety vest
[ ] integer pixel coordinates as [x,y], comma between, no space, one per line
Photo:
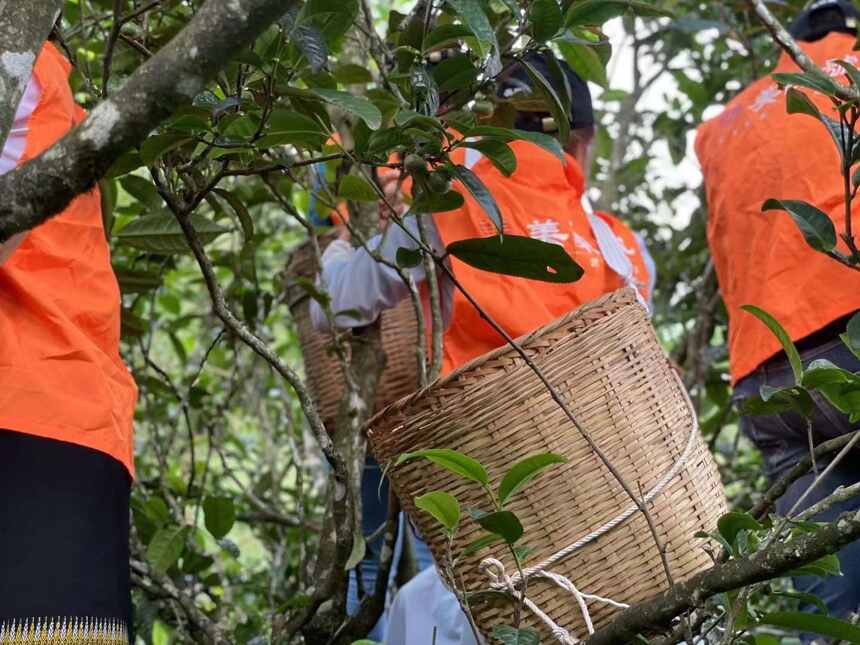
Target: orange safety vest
[754,150]
[61,375]
[541,199]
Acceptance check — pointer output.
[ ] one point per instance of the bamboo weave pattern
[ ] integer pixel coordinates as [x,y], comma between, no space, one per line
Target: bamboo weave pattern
[606,361]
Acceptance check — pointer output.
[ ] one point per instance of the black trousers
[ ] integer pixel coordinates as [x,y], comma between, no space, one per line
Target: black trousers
[64,524]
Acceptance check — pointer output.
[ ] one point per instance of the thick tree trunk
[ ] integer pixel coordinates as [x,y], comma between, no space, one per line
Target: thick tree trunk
[24,27]
[44,186]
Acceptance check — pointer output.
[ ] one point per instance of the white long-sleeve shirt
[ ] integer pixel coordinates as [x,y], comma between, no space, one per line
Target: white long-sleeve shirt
[363,287]
[358,284]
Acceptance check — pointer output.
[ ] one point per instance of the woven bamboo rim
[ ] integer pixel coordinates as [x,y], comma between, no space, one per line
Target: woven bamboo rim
[605,360]
[323,372]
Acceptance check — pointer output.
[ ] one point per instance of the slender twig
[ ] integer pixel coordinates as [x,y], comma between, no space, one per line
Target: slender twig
[432,279]
[116,28]
[778,489]
[841,494]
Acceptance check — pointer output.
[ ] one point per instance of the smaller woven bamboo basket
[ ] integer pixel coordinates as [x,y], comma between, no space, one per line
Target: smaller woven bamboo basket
[399,339]
[605,360]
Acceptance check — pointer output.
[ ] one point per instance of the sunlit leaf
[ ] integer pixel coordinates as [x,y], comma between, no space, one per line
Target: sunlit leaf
[835,628]
[451,460]
[525,471]
[783,337]
[165,548]
[441,505]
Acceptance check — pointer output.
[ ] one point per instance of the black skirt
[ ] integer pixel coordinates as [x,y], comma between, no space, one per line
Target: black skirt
[64,557]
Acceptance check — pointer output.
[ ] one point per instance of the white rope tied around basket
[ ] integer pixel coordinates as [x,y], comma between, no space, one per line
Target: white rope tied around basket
[500,581]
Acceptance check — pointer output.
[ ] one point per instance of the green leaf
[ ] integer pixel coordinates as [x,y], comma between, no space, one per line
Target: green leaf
[142,190]
[352,74]
[498,152]
[455,73]
[552,100]
[306,37]
[816,226]
[526,470]
[355,105]
[446,34]
[482,195]
[852,72]
[596,12]
[782,336]
[332,17]
[129,161]
[443,506]
[823,372]
[219,514]
[478,545]
[585,62]
[731,524]
[408,258]
[508,635]
[245,219]
[798,103]
[806,622]
[544,19]
[290,127]
[451,460]
[161,233]
[502,523]
[165,548]
[778,400]
[818,82]
[131,281]
[473,15]
[545,141]
[518,256]
[156,146]
[429,202]
[806,598]
[356,189]
[852,335]
[823,568]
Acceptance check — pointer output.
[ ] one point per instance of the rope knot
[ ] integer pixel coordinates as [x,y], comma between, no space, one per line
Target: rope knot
[498,576]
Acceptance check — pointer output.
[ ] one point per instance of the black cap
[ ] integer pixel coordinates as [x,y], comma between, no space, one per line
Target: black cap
[823,17]
[517,83]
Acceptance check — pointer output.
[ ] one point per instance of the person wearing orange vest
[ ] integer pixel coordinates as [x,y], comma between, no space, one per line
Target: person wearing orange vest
[66,405]
[545,199]
[751,152]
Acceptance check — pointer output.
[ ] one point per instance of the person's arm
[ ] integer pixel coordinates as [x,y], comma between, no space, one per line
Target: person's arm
[13,149]
[360,288]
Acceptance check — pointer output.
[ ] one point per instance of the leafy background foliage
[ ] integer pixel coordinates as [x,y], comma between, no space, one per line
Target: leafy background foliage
[231,490]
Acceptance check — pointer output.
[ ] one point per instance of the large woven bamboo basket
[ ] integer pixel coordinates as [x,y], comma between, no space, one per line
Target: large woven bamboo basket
[605,360]
[399,339]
